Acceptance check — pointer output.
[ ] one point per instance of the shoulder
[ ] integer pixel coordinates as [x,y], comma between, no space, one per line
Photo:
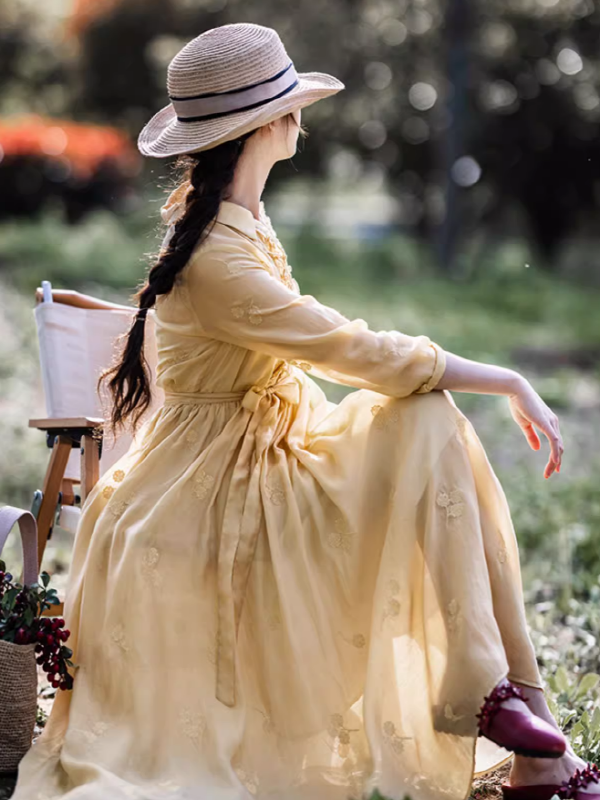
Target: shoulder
[222,258]
[224,247]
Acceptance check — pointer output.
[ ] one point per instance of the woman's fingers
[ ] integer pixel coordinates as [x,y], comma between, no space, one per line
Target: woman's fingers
[532,436]
[528,409]
[556,450]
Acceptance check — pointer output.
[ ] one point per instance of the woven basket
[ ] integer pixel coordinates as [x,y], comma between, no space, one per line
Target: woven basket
[18,670]
[18,702]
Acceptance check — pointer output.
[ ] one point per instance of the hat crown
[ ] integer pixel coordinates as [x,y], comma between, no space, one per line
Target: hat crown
[228,57]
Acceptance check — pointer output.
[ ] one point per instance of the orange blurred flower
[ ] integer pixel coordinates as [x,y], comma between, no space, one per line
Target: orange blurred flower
[83,146]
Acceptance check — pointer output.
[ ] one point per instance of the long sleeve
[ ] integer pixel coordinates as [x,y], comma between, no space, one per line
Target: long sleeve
[235,299]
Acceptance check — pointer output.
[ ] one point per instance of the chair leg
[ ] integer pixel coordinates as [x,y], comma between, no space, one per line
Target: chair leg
[68,493]
[52,485]
[90,465]
[55,481]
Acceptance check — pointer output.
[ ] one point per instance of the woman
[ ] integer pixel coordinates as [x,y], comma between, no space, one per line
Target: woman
[270,594]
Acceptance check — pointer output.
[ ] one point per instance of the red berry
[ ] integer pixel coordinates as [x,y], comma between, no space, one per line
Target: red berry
[56,684]
[61,622]
[68,632]
[49,639]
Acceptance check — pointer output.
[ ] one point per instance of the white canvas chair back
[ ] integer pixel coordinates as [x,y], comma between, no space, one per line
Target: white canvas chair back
[75,344]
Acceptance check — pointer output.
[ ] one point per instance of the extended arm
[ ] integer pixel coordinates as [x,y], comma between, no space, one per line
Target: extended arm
[528,409]
[463,375]
[237,300]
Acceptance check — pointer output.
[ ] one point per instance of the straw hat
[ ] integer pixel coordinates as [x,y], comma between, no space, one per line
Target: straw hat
[226,82]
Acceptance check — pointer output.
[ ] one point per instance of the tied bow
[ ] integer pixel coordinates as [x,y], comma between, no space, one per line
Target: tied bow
[175,203]
[173,209]
[284,388]
[240,530]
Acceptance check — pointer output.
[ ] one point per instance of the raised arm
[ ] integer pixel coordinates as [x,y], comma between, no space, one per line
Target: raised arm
[237,300]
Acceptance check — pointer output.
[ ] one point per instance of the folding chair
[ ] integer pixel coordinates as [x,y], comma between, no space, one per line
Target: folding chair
[76,334]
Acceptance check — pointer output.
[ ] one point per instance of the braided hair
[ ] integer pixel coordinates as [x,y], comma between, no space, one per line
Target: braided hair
[209,172]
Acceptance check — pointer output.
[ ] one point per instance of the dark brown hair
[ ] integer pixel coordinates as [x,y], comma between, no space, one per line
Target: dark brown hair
[210,172]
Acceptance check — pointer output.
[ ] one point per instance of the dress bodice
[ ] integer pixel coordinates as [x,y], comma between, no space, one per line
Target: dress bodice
[189,360]
[235,316]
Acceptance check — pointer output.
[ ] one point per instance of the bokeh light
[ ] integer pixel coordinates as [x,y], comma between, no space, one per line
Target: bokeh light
[422,96]
[569,61]
[378,75]
[393,32]
[466,171]
[372,134]
[415,130]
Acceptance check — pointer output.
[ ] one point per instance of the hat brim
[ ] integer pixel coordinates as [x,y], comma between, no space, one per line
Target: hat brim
[164,135]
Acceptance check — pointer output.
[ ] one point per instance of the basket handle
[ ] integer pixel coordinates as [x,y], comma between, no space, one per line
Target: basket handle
[28,528]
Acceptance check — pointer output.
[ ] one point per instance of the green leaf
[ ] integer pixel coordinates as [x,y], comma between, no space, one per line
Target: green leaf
[8,600]
[577,729]
[596,719]
[588,682]
[28,616]
[45,578]
[2,566]
[561,679]
[585,719]
[568,717]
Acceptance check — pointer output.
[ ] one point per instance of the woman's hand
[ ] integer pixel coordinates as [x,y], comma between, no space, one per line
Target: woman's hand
[528,409]
[526,406]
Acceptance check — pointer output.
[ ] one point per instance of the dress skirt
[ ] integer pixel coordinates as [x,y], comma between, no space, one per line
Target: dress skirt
[291,599]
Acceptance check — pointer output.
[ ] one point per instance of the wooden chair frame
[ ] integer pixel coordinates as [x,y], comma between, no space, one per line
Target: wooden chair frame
[62,435]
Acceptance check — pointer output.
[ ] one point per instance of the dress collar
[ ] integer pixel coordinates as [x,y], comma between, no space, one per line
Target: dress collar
[238,217]
[229,213]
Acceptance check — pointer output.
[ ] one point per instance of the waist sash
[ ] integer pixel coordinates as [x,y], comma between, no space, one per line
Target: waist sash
[242,515]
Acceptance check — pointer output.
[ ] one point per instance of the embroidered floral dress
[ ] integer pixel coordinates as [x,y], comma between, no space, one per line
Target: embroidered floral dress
[275,596]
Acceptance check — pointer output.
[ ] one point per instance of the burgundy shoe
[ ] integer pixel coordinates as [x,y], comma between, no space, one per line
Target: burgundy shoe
[524,734]
[568,790]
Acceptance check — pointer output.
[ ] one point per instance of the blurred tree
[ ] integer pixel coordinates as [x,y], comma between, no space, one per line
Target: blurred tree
[472,114]
[116,81]
[538,106]
[457,39]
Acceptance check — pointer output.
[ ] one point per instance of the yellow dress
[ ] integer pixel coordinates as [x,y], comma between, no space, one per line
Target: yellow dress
[275,596]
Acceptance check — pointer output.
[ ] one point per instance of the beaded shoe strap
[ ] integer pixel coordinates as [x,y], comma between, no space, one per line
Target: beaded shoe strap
[491,704]
[578,780]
